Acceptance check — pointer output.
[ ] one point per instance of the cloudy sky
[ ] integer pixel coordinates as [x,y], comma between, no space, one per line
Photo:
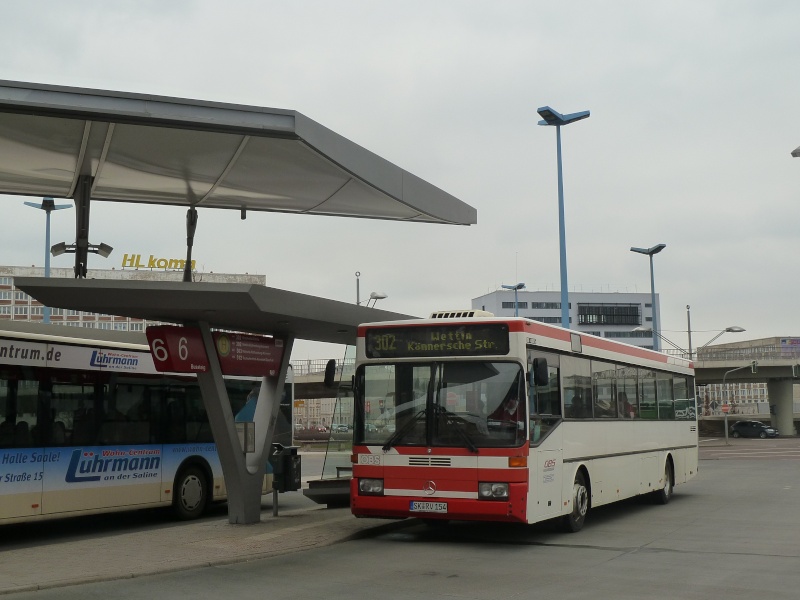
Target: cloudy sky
[695,109]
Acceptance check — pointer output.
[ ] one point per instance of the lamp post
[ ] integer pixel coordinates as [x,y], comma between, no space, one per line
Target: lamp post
[516,288]
[650,252]
[731,329]
[796,152]
[48,206]
[555,119]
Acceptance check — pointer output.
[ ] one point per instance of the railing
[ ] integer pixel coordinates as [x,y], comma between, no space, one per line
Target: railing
[317,366]
[760,353]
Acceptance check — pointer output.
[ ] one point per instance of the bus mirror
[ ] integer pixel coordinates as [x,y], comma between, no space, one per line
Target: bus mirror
[330,373]
[539,372]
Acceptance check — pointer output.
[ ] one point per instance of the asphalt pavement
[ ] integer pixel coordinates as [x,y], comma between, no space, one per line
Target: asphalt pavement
[44,561]
[124,545]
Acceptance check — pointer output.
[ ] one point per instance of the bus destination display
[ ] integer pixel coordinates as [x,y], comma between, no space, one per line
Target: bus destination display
[438,340]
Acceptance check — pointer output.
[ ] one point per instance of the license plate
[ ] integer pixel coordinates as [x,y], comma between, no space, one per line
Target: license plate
[431,507]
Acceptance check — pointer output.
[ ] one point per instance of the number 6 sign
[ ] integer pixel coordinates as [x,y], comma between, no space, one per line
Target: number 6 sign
[177,349]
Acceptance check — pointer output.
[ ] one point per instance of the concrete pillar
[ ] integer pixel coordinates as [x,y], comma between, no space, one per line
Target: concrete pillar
[781,393]
[243,473]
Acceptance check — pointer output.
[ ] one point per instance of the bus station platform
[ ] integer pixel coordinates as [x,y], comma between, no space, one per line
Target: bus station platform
[125,545]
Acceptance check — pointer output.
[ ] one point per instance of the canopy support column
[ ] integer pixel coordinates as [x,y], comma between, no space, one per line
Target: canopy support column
[83,191]
[243,472]
[191,227]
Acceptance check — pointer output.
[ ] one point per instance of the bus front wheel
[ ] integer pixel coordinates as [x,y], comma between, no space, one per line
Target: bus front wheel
[191,493]
[573,522]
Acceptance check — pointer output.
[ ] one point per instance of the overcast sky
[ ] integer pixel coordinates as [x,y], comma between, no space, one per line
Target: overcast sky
[695,109]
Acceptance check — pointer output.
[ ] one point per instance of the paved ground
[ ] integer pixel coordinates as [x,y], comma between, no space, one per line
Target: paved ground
[60,559]
[48,555]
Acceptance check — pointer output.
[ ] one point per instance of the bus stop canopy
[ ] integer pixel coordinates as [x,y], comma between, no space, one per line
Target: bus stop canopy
[161,150]
[239,307]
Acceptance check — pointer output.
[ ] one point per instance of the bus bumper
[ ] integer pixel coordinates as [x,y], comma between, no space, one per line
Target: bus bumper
[512,510]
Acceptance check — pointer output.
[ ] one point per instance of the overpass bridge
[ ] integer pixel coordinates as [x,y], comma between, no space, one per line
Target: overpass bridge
[777,366]
[309,377]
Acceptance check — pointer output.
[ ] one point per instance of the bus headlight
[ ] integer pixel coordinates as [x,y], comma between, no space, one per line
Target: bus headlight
[370,487]
[492,491]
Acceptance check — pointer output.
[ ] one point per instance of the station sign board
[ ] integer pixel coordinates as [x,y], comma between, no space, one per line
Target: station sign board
[177,349]
[181,350]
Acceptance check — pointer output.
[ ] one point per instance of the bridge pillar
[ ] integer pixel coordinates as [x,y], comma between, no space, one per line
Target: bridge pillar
[781,397]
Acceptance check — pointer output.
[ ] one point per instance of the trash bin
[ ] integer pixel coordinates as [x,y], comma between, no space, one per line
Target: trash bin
[286,468]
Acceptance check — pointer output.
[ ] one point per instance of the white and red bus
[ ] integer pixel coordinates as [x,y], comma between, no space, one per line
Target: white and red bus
[473,417]
[88,425]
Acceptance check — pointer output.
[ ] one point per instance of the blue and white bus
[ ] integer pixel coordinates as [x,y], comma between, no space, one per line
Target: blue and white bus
[87,425]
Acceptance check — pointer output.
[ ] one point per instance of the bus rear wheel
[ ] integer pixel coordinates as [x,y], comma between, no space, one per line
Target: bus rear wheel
[663,495]
[191,494]
[573,522]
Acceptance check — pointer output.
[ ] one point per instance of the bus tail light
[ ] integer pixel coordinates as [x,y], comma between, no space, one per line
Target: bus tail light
[518,461]
[370,487]
[492,491]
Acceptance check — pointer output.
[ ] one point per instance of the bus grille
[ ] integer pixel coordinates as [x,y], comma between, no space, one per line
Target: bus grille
[428,461]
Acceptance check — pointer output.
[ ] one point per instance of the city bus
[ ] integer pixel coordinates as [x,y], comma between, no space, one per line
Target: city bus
[465,416]
[87,425]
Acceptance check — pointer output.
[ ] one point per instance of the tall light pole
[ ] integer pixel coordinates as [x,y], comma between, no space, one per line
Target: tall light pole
[689,328]
[48,206]
[555,119]
[516,288]
[650,252]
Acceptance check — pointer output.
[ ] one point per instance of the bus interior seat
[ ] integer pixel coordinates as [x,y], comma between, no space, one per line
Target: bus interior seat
[59,433]
[22,435]
[6,434]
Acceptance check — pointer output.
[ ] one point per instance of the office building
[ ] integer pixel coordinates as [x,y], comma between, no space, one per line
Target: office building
[612,315]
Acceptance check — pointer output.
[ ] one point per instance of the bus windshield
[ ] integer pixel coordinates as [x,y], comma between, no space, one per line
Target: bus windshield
[470,404]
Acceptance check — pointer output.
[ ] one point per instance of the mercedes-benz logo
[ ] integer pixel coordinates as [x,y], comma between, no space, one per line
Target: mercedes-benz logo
[429,488]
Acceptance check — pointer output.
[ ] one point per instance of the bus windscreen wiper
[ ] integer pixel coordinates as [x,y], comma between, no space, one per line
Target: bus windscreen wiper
[455,422]
[409,425]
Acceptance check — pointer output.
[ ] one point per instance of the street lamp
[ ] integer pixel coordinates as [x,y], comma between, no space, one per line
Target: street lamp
[516,288]
[731,329]
[555,119]
[48,206]
[650,252]
[103,250]
[796,152]
[375,296]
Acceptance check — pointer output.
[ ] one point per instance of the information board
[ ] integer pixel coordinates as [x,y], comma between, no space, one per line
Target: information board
[244,354]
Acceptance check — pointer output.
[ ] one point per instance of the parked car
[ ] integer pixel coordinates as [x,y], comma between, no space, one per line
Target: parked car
[753,429]
[340,428]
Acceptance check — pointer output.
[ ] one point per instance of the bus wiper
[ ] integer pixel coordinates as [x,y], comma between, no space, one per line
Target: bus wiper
[409,425]
[455,421]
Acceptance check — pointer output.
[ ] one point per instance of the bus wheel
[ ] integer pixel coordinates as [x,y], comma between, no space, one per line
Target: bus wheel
[663,495]
[573,522]
[191,493]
